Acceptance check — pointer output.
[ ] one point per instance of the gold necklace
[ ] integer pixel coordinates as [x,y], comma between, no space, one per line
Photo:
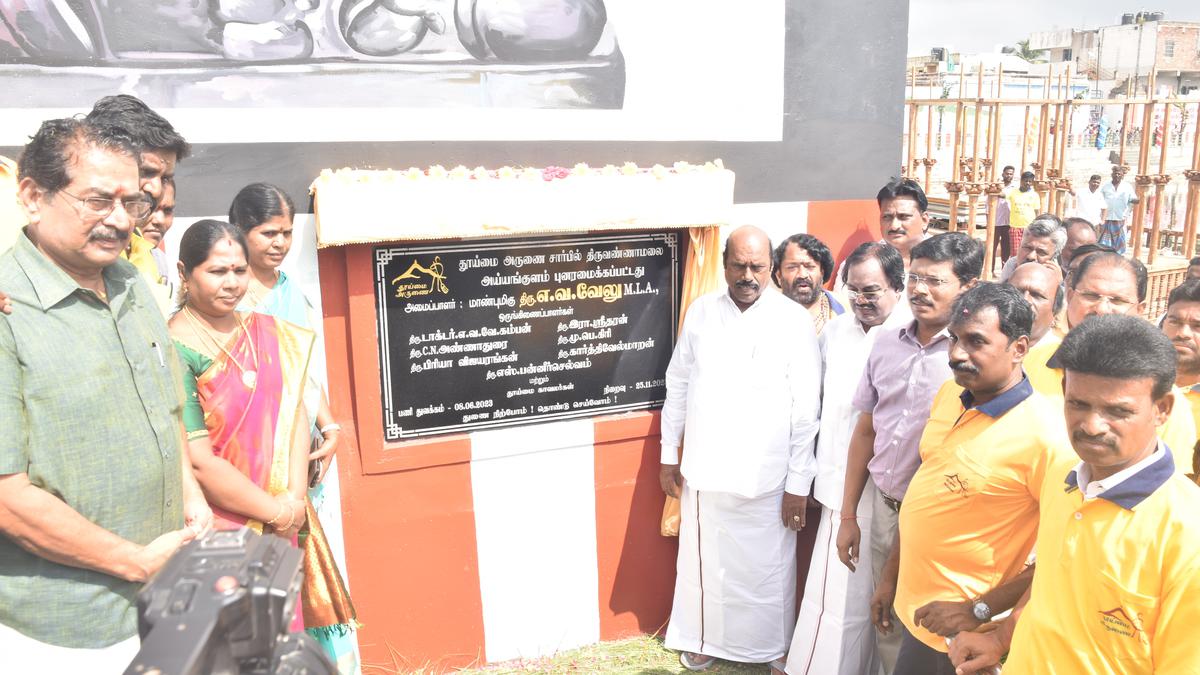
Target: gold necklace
[249,377]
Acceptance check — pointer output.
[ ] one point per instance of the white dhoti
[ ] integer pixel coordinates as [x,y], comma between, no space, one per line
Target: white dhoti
[735,584]
[834,634]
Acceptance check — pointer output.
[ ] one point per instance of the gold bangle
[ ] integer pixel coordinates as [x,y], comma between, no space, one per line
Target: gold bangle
[279,515]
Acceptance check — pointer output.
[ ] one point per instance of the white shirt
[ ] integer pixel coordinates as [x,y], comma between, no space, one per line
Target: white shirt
[1089,205]
[1094,488]
[1117,199]
[845,347]
[745,387]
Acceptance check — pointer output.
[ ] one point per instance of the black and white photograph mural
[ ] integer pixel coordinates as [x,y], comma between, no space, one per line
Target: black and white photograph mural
[366,53]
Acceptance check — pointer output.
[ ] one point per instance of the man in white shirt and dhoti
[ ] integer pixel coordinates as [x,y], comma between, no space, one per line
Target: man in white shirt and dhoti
[834,635]
[743,395]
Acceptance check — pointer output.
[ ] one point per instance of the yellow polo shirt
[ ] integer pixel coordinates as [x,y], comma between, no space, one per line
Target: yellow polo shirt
[970,514]
[1179,431]
[141,254]
[1023,208]
[1117,585]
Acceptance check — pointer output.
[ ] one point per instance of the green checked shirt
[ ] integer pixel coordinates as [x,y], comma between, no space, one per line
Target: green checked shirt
[90,410]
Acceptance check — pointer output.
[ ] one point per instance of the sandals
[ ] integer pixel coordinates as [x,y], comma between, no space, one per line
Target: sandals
[693,661]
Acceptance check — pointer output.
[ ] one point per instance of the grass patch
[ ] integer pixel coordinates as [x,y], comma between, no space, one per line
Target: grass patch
[642,655]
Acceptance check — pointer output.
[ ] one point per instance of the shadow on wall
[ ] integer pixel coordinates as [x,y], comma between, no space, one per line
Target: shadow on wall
[407,53]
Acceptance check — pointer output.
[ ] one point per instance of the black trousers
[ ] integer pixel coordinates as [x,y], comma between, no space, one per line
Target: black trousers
[917,658]
[1005,246]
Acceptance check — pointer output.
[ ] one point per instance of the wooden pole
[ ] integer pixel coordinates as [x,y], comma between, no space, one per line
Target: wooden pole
[1043,137]
[958,140]
[989,250]
[975,133]
[996,118]
[953,190]
[1124,132]
[1160,184]
[972,211]
[1052,170]
[909,164]
[1142,180]
[929,149]
[1165,138]
[1196,142]
[1024,141]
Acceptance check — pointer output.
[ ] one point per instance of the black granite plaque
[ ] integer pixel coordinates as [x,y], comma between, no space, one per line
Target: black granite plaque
[490,333]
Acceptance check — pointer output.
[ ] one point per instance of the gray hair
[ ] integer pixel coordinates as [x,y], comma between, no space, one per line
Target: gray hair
[1049,225]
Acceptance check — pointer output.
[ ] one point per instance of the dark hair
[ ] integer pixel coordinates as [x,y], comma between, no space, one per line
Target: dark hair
[1121,347]
[890,261]
[903,187]
[197,242]
[257,203]
[1188,291]
[149,130]
[1095,176]
[1194,261]
[56,144]
[1007,167]
[816,249]
[1028,174]
[1114,259]
[1013,311]
[964,251]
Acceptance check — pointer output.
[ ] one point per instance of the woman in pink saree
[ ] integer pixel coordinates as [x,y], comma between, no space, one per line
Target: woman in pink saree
[245,376]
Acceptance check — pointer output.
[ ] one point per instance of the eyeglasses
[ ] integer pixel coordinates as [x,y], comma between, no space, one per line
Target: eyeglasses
[1119,304]
[101,207]
[866,296]
[929,282]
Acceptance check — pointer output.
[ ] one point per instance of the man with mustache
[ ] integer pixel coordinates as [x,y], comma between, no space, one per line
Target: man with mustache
[1024,204]
[160,148]
[95,491]
[1041,285]
[1118,540]
[1042,242]
[803,265]
[905,369]
[970,518]
[1003,211]
[1104,283]
[903,220]
[1182,326]
[1119,201]
[833,634]
[1080,232]
[743,390]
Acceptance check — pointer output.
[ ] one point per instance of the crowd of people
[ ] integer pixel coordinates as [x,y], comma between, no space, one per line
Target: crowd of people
[1003,470]
[147,400]
[996,470]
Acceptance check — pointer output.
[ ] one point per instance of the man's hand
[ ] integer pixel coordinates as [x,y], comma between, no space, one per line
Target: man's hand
[197,515]
[947,618]
[324,452]
[976,652]
[795,509]
[150,558]
[881,607]
[848,538]
[5,303]
[670,479]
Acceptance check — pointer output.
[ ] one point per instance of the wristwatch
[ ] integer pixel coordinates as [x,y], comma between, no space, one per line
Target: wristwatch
[981,610]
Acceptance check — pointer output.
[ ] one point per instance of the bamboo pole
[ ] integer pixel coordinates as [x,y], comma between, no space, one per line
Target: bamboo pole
[912,140]
[1124,134]
[1196,142]
[956,172]
[1052,169]
[995,119]
[1043,137]
[1024,141]
[928,149]
[975,133]
[1160,184]
[989,250]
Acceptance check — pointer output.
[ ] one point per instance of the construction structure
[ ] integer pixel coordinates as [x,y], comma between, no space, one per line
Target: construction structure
[959,160]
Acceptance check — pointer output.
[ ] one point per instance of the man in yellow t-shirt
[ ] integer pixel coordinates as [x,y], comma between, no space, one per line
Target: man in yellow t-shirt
[1024,203]
[1115,588]
[1182,326]
[1105,283]
[970,514]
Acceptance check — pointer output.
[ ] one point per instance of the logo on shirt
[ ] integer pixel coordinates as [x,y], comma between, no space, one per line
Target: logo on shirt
[956,484]
[1118,621]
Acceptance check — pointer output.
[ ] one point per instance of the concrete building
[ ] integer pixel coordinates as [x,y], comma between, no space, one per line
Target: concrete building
[1129,51]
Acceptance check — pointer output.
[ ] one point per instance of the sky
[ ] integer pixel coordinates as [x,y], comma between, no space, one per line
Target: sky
[971,26]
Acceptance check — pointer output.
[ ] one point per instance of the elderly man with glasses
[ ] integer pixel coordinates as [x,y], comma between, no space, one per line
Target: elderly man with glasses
[1042,243]
[1104,283]
[95,490]
[906,368]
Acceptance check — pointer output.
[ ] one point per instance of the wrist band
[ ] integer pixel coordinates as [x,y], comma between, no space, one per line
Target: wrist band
[332,426]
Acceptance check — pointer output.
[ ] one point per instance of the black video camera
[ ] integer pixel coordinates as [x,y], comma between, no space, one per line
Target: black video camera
[222,606]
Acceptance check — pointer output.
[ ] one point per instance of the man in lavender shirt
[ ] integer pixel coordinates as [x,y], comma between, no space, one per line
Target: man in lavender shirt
[906,367]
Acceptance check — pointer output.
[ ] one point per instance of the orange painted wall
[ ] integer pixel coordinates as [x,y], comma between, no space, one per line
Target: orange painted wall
[842,225]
